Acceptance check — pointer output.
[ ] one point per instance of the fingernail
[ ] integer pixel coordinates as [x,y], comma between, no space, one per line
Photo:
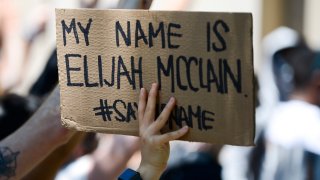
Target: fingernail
[154,85]
[141,90]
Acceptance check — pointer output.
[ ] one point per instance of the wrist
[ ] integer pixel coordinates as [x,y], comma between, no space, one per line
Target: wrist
[149,172]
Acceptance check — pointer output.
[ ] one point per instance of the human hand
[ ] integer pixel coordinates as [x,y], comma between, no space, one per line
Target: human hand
[154,145]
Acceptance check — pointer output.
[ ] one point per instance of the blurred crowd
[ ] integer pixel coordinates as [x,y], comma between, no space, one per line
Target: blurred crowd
[287,111]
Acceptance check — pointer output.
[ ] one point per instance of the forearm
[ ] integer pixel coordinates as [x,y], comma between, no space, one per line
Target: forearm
[29,146]
[35,140]
[24,156]
[49,167]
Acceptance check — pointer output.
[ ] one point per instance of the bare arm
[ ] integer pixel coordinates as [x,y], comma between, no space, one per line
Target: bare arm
[49,167]
[24,149]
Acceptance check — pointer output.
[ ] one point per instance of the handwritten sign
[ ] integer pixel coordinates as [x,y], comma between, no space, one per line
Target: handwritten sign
[203,59]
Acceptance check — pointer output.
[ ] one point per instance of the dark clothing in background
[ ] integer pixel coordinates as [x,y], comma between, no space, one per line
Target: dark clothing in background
[48,79]
[198,165]
[15,110]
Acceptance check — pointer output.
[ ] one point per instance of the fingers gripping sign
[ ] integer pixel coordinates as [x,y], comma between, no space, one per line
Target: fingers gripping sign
[154,145]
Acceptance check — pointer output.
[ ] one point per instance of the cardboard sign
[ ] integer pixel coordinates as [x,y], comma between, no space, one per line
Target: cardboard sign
[203,59]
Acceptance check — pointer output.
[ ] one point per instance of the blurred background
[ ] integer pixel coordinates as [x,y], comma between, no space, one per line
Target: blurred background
[300,15]
[286,62]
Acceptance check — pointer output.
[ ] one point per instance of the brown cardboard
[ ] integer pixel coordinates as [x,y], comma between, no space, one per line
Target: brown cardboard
[222,113]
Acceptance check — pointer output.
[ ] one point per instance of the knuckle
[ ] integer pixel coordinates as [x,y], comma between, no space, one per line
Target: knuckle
[160,119]
[144,137]
[169,136]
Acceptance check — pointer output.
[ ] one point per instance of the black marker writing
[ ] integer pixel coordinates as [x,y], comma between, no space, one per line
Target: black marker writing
[192,116]
[67,29]
[218,73]
[153,34]
[140,34]
[123,112]
[121,72]
[85,31]
[173,33]
[126,37]
[166,70]
[102,80]
[147,36]
[72,27]
[86,73]
[69,69]
[217,26]
[103,110]
[187,115]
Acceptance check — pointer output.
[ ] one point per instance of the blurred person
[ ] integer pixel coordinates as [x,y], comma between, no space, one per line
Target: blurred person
[112,156]
[270,85]
[277,85]
[275,74]
[17,36]
[105,162]
[277,82]
[16,39]
[294,126]
[235,160]
[12,48]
